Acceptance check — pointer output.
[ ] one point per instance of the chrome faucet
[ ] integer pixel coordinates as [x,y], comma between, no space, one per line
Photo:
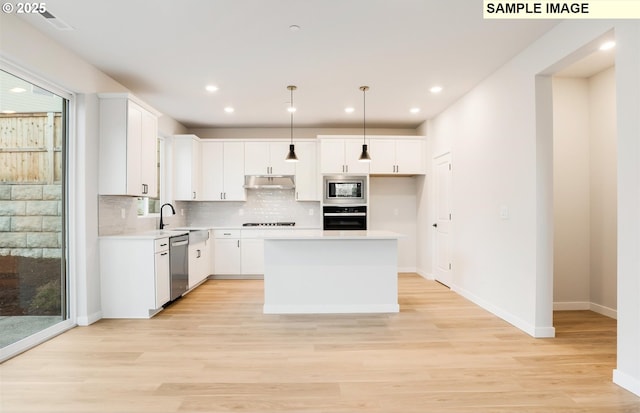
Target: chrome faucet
[162,224]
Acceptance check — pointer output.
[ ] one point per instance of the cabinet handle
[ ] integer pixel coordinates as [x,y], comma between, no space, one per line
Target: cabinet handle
[194,195]
[238,243]
[164,253]
[163,245]
[346,168]
[198,254]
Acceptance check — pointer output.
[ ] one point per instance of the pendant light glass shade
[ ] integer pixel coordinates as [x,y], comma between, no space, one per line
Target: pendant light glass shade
[364,156]
[291,156]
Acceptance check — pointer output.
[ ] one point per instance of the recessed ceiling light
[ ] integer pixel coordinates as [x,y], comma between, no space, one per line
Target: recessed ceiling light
[291,109]
[436,89]
[211,88]
[8,112]
[294,28]
[607,45]
[414,110]
[229,109]
[349,109]
[17,90]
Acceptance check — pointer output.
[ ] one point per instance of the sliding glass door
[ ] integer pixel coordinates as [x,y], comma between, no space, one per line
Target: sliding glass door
[33,276]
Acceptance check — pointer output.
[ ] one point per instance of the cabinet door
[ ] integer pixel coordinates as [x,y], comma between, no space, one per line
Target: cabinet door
[410,156]
[332,156]
[252,256]
[134,149]
[226,256]
[198,265]
[383,156]
[149,154]
[277,153]
[163,280]
[307,178]
[352,151]
[234,171]
[256,158]
[212,181]
[186,172]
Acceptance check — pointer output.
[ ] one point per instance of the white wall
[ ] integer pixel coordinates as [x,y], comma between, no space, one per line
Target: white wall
[603,156]
[571,194]
[285,133]
[585,218]
[392,207]
[500,137]
[30,50]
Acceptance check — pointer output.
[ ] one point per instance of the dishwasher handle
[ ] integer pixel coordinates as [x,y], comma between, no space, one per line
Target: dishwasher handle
[179,243]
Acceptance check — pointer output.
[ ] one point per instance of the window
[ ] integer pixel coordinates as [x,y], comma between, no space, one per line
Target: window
[34,131]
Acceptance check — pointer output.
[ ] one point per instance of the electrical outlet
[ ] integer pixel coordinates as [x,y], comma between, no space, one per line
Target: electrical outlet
[504,212]
[240,212]
[123,213]
[182,211]
[311,212]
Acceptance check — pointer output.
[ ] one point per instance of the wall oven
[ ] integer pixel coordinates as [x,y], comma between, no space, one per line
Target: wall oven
[344,218]
[345,189]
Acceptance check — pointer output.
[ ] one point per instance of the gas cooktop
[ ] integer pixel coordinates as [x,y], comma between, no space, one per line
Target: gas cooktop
[268,224]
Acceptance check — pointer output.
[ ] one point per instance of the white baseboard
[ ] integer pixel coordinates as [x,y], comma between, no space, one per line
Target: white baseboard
[424,274]
[330,309]
[89,319]
[571,306]
[534,331]
[407,269]
[585,305]
[626,381]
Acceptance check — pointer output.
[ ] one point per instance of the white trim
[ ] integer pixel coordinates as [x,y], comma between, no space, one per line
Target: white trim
[585,305]
[626,381]
[571,306]
[89,319]
[425,274]
[532,330]
[33,340]
[406,269]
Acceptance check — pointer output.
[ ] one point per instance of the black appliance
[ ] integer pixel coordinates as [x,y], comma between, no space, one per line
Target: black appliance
[344,218]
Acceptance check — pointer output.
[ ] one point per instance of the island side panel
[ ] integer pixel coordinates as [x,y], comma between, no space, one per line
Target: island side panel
[331,276]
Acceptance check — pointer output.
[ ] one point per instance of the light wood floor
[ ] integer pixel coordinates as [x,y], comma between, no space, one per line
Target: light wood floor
[214,351]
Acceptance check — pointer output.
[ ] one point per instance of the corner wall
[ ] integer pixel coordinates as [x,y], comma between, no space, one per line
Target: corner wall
[500,137]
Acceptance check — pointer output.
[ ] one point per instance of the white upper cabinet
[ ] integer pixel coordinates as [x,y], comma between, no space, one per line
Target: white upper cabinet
[223,171]
[397,155]
[340,156]
[307,177]
[186,168]
[128,146]
[267,158]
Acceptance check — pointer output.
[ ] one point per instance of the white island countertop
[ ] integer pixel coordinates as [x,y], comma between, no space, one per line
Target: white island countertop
[332,235]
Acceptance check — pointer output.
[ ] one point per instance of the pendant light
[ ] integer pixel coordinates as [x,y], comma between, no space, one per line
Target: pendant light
[291,156]
[364,156]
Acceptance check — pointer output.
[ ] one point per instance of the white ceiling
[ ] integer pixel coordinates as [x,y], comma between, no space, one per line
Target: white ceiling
[166,51]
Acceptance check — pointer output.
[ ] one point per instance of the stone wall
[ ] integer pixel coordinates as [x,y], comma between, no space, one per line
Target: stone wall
[31,220]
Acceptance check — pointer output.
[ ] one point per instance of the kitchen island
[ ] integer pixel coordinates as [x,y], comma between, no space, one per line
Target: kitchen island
[313,272]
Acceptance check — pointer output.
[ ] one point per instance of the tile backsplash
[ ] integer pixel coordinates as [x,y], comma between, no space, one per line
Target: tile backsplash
[111,221]
[262,205]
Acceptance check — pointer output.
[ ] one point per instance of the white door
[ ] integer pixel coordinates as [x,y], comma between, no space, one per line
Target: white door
[383,156]
[256,158]
[234,171]
[212,183]
[442,224]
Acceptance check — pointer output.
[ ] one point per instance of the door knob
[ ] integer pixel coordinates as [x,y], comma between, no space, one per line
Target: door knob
[435,225]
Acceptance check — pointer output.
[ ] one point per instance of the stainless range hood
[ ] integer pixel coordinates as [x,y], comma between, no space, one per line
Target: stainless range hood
[269,182]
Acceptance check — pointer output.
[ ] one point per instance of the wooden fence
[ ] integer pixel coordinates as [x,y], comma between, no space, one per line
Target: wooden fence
[31,148]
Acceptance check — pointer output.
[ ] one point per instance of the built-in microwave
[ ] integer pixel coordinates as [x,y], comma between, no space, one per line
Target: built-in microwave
[345,189]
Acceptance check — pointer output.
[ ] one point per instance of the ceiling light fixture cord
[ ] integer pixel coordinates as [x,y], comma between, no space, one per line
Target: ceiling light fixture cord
[364,156]
[291,156]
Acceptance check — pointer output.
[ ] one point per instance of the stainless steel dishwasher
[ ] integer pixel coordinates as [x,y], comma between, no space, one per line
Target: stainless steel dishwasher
[179,262]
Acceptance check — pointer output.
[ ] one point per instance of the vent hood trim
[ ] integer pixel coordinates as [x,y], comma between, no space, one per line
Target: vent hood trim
[269,182]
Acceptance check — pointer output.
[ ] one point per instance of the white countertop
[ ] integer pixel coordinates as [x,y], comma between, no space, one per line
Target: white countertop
[333,235]
[154,234]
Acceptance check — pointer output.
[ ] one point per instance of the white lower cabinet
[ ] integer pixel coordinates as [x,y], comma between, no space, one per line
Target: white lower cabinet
[134,276]
[199,260]
[226,252]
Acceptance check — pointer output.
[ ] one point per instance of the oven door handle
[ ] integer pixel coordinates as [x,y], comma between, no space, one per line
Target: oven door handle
[343,214]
